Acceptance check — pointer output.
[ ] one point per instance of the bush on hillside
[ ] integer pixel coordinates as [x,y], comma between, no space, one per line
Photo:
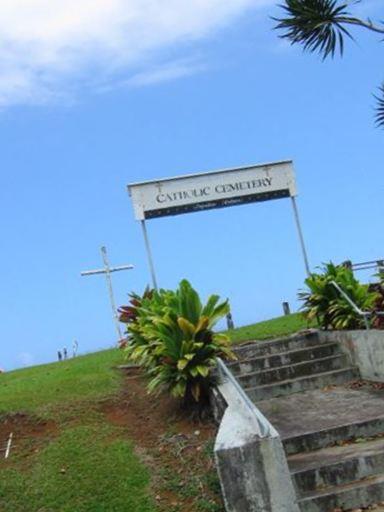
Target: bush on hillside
[378,288]
[170,334]
[322,301]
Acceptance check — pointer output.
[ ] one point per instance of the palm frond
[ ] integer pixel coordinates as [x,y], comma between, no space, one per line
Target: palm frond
[379,118]
[316,24]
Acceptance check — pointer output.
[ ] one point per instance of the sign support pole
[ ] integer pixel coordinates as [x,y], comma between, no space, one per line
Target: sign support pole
[300,232]
[149,254]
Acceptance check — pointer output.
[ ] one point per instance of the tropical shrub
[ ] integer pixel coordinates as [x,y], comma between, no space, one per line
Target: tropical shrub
[170,334]
[325,303]
[129,313]
[378,317]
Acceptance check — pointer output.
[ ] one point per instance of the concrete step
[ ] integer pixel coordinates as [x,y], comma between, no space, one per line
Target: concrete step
[330,436]
[284,358]
[354,495]
[276,346]
[290,386]
[336,465]
[305,368]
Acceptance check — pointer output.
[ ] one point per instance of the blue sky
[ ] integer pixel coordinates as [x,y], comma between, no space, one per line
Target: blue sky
[114,92]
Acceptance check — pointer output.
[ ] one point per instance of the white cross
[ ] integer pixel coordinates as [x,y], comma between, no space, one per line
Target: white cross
[107,270]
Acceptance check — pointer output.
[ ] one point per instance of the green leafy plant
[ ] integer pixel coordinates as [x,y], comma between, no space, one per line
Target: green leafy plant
[171,336]
[128,314]
[325,303]
[378,317]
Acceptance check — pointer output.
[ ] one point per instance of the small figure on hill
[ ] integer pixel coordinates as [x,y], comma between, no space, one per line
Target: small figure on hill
[230,323]
[75,346]
[65,352]
[59,355]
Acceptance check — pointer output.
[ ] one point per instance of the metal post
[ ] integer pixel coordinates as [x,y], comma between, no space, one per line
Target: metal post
[110,290]
[8,447]
[380,268]
[149,253]
[298,225]
[230,324]
[286,308]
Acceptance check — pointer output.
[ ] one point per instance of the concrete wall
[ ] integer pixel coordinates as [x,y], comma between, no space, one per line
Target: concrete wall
[253,470]
[365,348]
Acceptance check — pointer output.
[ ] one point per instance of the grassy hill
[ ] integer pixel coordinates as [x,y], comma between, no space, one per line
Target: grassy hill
[87,438]
[274,328]
[66,457]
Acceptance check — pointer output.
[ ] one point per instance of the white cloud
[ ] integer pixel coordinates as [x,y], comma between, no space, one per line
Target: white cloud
[49,47]
[162,73]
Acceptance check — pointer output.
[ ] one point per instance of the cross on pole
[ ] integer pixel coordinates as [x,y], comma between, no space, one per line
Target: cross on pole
[107,270]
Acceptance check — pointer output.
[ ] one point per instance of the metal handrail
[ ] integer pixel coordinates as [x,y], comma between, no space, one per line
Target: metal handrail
[265,428]
[364,314]
[366,265]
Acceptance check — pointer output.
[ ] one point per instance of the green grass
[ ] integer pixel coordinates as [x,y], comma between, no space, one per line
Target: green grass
[87,469]
[86,465]
[274,328]
[44,387]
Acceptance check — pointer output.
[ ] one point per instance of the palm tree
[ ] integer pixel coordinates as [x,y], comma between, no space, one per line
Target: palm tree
[321,26]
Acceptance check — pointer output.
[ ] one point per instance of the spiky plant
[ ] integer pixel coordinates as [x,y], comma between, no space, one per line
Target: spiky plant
[380,107]
[325,303]
[317,24]
[320,26]
[171,336]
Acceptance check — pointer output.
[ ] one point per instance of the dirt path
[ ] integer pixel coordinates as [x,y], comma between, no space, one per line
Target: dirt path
[177,449]
[30,434]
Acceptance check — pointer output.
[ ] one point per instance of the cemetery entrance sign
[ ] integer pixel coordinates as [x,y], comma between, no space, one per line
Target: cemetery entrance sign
[217,189]
[209,190]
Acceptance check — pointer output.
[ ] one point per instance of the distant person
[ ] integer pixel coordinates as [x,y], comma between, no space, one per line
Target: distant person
[75,346]
[65,352]
[59,355]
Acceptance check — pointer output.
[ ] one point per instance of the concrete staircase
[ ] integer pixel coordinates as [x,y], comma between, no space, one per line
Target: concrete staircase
[333,435]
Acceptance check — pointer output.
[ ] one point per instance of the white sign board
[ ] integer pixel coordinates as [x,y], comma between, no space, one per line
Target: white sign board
[210,190]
